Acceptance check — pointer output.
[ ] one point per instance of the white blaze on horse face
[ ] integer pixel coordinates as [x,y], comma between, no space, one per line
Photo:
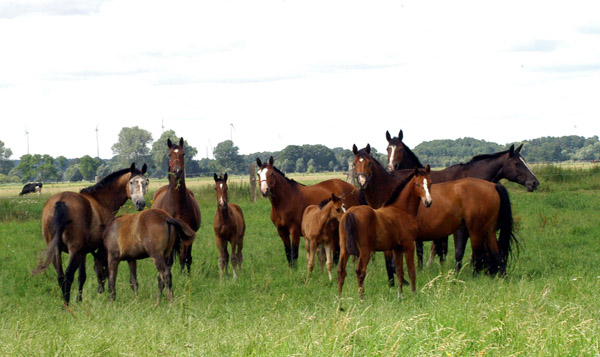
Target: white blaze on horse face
[527,166]
[221,198]
[427,194]
[262,175]
[390,163]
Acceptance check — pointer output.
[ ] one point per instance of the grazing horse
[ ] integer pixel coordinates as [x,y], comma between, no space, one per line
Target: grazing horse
[73,223]
[229,226]
[508,165]
[320,224]
[289,199]
[150,233]
[364,229]
[482,205]
[178,201]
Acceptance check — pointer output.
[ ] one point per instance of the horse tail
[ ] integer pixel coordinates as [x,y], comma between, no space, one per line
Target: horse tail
[507,239]
[183,230]
[59,223]
[350,226]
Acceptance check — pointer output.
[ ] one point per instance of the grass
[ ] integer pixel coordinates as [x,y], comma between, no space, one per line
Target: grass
[548,304]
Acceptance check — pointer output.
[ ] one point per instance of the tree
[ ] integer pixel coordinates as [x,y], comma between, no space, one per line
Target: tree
[88,167]
[132,147]
[160,152]
[46,169]
[227,157]
[73,174]
[27,167]
[5,164]
[300,165]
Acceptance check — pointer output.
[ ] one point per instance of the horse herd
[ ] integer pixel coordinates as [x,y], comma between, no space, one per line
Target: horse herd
[389,210]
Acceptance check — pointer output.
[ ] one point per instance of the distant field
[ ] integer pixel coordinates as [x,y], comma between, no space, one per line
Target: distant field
[548,304]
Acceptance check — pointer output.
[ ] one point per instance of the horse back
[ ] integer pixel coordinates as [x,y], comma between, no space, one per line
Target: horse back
[79,213]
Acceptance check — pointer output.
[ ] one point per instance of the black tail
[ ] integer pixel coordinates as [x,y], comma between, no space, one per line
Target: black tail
[60,220]
[507,239]
[184,231]
[351,239]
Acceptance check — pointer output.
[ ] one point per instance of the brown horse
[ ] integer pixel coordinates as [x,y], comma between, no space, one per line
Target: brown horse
[482,205]
[289,199]
[150,233]
[229,226]
[509,165]
[178,201]
[320,224]
[73,223]
[391,227]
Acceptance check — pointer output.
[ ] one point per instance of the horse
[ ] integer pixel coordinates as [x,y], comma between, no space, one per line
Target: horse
[289,199]
[320,227]
[229,226]
[178,201]
[482,205]
[73,223]
[150,233]
[364,229]
[508,164]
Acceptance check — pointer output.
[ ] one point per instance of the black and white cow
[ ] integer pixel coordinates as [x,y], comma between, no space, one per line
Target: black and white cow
[32,187]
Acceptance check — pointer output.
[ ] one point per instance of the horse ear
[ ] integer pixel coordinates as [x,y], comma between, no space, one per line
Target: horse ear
[258,162]
[368,149]
[225,177]
[354,149]
[511,150]
[387,136]
[518,150]
[144,168]
[400,135]
[428,168]
[169,143]
[181,143]
[132,167]
[271,161]
[215,176]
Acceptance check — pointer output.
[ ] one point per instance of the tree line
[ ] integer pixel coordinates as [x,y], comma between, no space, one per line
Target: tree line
[136,145]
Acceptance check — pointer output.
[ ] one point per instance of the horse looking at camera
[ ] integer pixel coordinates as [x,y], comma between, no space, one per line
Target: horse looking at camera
[289,199]
[392,227]
[320,226]
[178,201]
[150,233]
[73,223]
[229,226]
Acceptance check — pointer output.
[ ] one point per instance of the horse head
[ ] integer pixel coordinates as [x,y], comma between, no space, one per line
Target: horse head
[221,189]
[516,169]
[423,185]
[138,186]
[363,165]
[176,159]
[266,176]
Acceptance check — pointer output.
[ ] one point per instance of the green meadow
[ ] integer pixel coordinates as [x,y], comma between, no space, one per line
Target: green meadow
[549,304]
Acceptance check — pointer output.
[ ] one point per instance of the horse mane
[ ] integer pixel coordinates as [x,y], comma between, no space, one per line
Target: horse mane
[108,180]
[324,203]
[482,157]
[398,189]
[413,156]
[289,180]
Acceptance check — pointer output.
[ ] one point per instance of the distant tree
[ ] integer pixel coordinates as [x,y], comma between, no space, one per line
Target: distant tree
[5,163]
[88,167]
[46,169]
[73,174]
[27,167]
[160,150]
[300,165]
[310,166]
[227,157]
[132,147]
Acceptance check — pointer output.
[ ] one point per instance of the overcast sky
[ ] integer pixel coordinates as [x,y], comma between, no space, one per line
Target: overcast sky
[295,72]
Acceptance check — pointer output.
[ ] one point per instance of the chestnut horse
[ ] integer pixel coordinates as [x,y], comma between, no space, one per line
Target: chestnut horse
[73,223]
[178,201]
[320,227]
[150,233]
[508,165]
[229,226]
[482,205]
[289,199]
[364,229]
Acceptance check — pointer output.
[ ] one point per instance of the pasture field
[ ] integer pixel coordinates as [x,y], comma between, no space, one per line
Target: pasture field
[547,305]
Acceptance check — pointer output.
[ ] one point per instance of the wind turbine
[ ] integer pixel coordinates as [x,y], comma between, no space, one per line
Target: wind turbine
[231,129]
[27,135]
[97,143]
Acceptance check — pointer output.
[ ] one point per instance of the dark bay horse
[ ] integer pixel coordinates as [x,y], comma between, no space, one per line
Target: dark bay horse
[320,226]
[178,201]
[289,199]
[482,205]
[392,227]
[229,226]
[150,233]
[73,223]
[509,165]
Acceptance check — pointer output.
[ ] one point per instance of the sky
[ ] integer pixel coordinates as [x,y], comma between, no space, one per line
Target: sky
[268,74]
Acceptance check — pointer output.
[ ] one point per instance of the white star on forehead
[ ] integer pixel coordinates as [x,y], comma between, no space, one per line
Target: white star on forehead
[176,150]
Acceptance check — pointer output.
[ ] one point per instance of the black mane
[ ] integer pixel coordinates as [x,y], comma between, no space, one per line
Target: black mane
[413,156]
[398,189]
[482,157]
[108,180]
[289,180]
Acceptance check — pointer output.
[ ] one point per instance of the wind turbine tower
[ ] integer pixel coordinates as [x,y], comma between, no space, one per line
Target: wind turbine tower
[27,135]
[97,143]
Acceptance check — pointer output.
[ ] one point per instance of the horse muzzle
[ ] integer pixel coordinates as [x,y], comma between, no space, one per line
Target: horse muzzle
[532,185]
[427,202]
[139,203]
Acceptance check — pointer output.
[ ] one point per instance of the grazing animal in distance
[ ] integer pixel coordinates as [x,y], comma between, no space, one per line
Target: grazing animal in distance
[73,223]
[150,233]
[32,187]
[229,226]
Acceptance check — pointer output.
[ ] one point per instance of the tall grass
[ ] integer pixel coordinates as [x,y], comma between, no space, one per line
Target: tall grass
[548,304]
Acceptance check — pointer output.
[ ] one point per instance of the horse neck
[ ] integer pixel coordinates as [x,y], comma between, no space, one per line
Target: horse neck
[380,188]
[177,186]
[487,169]
[285,192]
[408,200]
[223,212]
[113,195]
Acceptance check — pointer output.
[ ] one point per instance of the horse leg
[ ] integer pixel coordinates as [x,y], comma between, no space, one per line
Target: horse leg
[223,256]
[460,243]
[81,277]
[295,235]
[389,266]
[321,254]
[329,248]
[419,245]
[164,277]
[399,270]
[57,261]
[235,263]
[113,266]
[133,276]
[496,262]
[100,267]
[361,271]
[73,265]
[409,253]
[477,247]
[341,272]
[185,257]
[311,257]
[285,238]
[432,252]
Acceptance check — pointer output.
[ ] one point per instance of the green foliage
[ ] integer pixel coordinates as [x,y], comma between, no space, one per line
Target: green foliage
[5,164]
[132,146]
[443,153]
[227,157]
[88,167]
[73,174]
[160,151]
